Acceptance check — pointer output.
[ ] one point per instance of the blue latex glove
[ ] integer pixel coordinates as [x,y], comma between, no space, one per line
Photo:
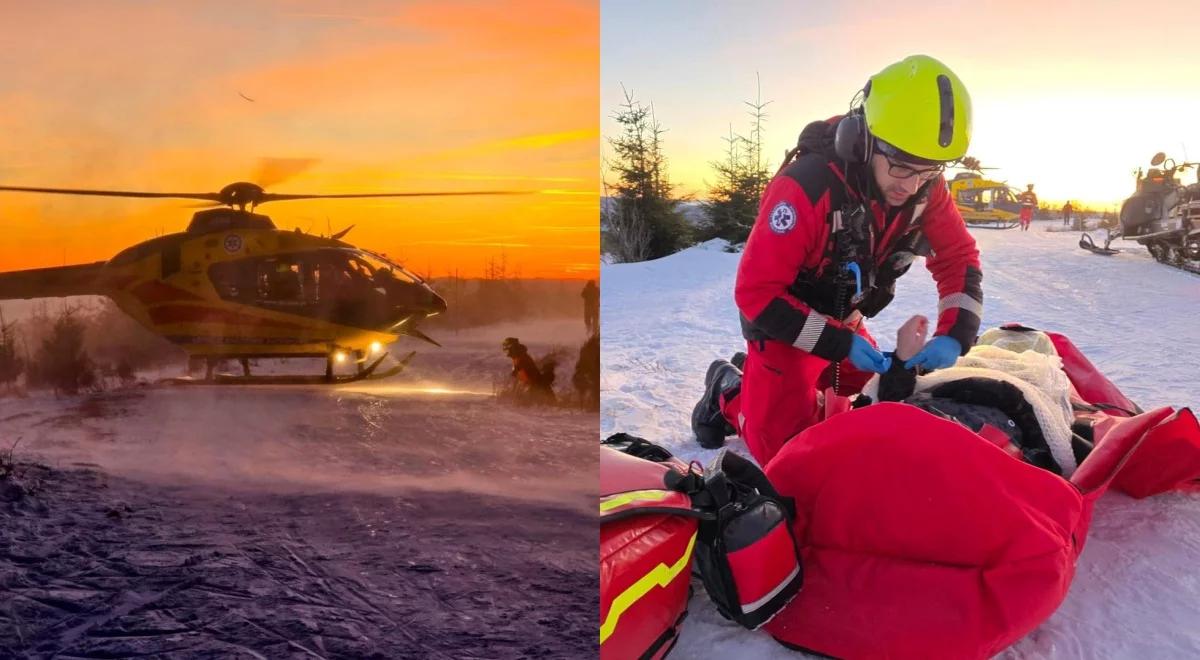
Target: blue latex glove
[866,357]
[938,353]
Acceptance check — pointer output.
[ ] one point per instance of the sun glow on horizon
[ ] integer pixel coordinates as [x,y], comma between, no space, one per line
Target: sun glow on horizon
[1073,106]
[422,96]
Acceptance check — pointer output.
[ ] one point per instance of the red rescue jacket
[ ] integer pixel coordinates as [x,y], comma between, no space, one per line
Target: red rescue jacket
[791,238]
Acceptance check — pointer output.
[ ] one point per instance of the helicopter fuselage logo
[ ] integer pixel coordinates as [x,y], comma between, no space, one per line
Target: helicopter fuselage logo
[233,243]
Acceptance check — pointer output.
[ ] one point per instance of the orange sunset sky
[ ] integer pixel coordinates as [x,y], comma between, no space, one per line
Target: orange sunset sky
[1071,95]
[383,96]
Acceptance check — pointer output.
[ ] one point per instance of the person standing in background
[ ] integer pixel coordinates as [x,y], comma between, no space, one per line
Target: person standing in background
[1029,202]
[591,307]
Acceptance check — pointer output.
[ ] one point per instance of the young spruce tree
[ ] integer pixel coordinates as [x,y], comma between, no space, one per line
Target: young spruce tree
[641,219]
[11,364]
[742,176]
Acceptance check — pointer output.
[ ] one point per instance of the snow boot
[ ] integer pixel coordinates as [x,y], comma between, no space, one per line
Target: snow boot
[708,423]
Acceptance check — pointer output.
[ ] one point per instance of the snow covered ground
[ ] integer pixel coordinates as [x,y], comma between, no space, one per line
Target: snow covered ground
[1136,593]
[417,516]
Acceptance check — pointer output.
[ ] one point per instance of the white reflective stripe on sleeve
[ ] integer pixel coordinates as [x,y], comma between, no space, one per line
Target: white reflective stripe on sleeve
[750,607]
[811,331]
[962,301]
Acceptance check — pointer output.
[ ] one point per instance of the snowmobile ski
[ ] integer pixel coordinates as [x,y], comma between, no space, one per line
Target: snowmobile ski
[1088,244]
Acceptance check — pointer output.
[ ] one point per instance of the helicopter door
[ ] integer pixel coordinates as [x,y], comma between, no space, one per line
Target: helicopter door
[170,260]
[280,282]
[1006,201]
[271,282]
[344,290]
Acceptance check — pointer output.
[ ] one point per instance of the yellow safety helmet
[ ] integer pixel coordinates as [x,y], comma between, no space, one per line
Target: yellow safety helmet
[921,108]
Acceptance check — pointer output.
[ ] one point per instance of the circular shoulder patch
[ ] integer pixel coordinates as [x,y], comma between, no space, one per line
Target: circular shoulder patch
[783,218]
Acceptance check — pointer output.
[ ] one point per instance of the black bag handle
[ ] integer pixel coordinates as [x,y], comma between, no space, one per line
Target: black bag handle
[639,447]
[709,490]
[741,470]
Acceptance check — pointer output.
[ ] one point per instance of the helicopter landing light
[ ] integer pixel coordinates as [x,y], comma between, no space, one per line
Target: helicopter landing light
[339,357]
[376,347]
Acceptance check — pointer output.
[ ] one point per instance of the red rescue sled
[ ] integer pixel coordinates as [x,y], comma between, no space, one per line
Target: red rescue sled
[922,539]
[647,536]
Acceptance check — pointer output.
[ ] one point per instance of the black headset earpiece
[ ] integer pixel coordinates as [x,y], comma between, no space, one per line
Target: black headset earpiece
[851,136]
[850,139]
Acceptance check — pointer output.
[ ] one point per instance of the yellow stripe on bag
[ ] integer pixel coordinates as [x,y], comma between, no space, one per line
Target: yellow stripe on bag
[621,499]
[660,576]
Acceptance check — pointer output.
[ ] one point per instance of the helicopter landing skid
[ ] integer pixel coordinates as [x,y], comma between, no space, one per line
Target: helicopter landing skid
[993,224]
[369,372]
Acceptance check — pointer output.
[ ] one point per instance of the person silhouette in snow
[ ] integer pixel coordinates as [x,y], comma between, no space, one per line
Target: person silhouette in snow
[529,379]
[858,199]
[591,307]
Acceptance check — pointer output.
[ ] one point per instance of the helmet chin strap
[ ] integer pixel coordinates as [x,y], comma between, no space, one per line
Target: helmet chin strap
[866,177]
[872,190]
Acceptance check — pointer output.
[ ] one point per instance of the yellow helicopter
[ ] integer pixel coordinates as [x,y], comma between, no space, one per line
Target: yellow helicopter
[233,286]
[982,202]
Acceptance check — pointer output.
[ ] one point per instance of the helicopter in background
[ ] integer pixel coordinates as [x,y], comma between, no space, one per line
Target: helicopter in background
[983,202]
[234,286]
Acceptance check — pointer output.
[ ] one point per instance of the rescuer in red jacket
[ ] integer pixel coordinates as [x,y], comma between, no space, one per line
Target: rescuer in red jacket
[1029,202]
[858,199]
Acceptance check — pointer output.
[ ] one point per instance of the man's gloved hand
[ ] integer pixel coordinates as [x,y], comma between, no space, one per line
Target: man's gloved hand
[938,353]
[868,358]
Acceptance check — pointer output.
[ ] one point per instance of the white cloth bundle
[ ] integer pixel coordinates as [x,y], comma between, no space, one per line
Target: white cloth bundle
[1036,373]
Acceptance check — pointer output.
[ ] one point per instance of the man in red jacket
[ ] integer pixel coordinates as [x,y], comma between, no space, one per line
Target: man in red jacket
[1029,202]
[860,197]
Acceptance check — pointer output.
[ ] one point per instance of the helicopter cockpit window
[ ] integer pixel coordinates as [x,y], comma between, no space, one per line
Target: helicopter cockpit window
[339,275]
[382,269]
[235,280]
[971,198]
[280,281]
[269,281]
[342,286]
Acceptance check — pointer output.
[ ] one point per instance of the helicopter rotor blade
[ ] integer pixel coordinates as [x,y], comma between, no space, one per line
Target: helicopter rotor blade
[275,197]
[211,197]
[242,194]
[274,171]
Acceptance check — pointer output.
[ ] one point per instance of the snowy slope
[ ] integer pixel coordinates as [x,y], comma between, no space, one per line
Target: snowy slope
[1137,590]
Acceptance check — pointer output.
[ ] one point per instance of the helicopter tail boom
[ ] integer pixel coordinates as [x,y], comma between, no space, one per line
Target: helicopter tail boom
[57,282]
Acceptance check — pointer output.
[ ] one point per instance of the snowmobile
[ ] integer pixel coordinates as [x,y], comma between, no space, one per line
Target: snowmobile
[1162,214]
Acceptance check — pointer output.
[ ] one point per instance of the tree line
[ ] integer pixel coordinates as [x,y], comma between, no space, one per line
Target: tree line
[77,348]
[641,215]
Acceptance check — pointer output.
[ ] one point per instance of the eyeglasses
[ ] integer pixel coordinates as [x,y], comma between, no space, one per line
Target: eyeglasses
[899,170]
